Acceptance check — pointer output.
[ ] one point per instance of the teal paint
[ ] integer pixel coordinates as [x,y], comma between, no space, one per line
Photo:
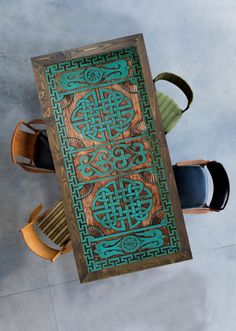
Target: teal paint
[75,81]
[93,262]
[122,204]
[104,161]
[102,115]
[162,224]
[130,244]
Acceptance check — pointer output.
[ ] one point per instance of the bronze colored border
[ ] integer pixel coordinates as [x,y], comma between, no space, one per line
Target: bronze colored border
[38,64]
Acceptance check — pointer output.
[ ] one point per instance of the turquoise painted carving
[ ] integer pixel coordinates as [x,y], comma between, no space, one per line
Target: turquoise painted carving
[120,246]
[104,161]
[102,115]
[130,244]
[92,75]
[52,72]
[122,204]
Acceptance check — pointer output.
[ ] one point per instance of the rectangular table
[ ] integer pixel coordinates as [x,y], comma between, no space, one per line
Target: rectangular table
[111,158]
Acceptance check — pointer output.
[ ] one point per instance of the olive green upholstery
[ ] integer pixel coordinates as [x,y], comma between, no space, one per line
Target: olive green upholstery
[171,113]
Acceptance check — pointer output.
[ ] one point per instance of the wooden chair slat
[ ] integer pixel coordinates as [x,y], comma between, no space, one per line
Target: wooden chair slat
[50,221]
[56,229]
[51,216]
[58,219]
[64,238]
[58,206]
[64,242]
[63,231]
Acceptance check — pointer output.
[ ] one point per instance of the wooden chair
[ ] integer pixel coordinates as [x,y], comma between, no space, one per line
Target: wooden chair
[33,146]
[52,224]
[171,113]
[192,184]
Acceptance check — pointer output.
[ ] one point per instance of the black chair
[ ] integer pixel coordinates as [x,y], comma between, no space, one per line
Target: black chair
[192,184]
[43,156]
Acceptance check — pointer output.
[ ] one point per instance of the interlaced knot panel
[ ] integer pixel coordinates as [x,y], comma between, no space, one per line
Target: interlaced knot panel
[122,204]
[102,115]
[113,160]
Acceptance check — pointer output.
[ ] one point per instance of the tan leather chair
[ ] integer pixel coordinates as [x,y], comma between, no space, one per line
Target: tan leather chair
[31,143]
[52,224]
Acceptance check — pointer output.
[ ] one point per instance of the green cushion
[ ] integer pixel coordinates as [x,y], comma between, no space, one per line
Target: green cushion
[170,111]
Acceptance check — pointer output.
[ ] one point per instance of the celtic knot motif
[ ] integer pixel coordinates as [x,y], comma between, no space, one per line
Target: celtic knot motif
[122,204]
[107,160]
[102,115]
[68,77]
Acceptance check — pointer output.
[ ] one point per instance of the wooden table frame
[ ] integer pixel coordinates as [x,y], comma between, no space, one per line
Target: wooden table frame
[42,70]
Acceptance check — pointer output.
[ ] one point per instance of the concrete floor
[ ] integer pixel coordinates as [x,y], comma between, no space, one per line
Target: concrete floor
[196,39]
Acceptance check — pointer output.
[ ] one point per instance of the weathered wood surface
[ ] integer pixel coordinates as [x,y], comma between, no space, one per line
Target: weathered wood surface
[111,158]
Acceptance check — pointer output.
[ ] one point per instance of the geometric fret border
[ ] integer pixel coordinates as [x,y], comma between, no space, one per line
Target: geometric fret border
[174,242]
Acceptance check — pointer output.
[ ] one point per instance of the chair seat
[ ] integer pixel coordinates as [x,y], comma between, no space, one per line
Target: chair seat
[170,111]
[42,156]
[191,183]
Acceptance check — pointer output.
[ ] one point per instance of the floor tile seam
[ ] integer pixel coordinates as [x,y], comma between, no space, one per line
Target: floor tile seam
[22,292]
[50,294]
[213,249]
[49,286]
[37,288]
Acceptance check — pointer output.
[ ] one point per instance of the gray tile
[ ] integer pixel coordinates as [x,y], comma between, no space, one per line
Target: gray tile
[62,270]
[43,189]
[195,40]
[21,87]
[6,107]
[13,199]
[195,123]
[191,295]
[21,193]
[31,311]
[21,270]
[50,30]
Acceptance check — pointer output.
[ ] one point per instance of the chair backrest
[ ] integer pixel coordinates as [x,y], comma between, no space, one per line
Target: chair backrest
[23,145]
[221,186]
[53,224]
[170,111]
[23,142]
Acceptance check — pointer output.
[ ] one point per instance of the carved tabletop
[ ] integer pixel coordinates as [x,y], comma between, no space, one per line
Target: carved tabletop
[111,158]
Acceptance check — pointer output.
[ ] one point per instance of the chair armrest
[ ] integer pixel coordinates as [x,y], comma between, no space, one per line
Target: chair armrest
[196,211]
[34,215]
[36,245]
[221,185]
[38,121]
[192,162]
[17,128]
[33,169]
[179,82]
[67,248]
